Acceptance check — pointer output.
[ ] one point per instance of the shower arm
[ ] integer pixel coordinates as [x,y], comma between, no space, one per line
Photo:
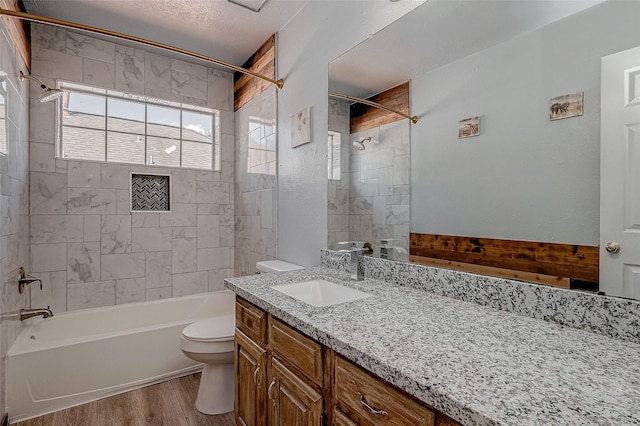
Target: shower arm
[412,118]
[66,24]
[30,77]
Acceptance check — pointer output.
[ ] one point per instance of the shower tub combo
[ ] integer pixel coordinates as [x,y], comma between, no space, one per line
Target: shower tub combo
[81,356]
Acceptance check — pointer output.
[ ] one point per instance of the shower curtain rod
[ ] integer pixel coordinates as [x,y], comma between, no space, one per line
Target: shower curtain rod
[66,24]
[412,118]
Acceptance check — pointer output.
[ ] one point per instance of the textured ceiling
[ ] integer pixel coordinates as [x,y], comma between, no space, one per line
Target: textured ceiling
[437,33]
[214,28]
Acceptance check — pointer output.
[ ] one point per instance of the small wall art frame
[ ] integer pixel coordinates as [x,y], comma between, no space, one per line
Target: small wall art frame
[301,128]
[469,127]
[566,106]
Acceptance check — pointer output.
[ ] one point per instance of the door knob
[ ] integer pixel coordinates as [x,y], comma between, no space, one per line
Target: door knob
[612,247]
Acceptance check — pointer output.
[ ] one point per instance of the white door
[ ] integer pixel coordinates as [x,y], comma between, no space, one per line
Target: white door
[620,175]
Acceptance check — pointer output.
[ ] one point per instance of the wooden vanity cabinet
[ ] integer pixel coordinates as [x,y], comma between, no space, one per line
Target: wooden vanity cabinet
[285,378]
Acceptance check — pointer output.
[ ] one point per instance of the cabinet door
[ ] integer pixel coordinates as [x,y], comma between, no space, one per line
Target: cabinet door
[251,375]
[292,402]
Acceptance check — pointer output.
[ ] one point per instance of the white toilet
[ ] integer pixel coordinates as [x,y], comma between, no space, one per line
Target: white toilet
[210,341]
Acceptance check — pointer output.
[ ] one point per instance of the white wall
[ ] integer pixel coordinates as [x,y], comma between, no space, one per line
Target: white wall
[524,177]
[319,33]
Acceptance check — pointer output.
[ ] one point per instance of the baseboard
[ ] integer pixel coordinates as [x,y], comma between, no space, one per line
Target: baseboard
[5,420]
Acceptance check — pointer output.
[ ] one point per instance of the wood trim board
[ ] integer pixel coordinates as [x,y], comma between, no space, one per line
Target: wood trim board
[245,86]
[17,32]
[364,117]
[539,262]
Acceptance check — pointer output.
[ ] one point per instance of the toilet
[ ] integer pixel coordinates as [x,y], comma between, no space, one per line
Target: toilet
[210,341]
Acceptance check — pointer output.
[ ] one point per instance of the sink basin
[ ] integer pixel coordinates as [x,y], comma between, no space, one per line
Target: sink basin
[320,292]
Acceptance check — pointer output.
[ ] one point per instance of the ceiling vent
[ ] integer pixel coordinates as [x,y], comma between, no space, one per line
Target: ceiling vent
[252,5]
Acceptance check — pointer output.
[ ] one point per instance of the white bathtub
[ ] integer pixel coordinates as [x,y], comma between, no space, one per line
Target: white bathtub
[81,356]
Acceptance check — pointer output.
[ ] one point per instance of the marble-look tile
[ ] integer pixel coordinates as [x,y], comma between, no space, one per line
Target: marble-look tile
[227,127]
[181,215]
[129,72]
[226,236]
[227,214]
[123,201]
[53,293]
[217,277]
[213,258]
[82,174]
[188,79]
[220,90]
[41,157]
[184,232]
[401,167]
[208,209]
[131,51]
[152,239]
[268,242]
[98,73]
[89,47]
[56,65]
[61,166]
[145,220]
[397,215]
[184,255]
[91,201]
[190,283]
[56,229]
[91,295]
[49,257]
[157,73]
[213,192]
[48,193]
[116,234]
[130,290]
[158,269]
[48,37]
[207,175]
[266,209]
[158,293]
[92,228]
[83,262]
[208,231]
[183,185]
[119,266]
[42,122]
[115,176]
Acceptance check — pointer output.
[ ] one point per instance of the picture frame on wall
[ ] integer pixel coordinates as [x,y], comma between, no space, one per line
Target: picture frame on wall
[301,128]
[566,106]
[469,127]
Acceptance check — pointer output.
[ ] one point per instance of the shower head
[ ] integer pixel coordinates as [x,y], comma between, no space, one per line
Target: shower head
[48,94]
[360,144]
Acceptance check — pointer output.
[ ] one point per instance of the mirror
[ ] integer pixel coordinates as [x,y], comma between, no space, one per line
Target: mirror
[526,176]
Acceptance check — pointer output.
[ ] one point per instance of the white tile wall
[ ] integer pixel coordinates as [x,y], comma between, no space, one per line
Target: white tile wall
[87,246]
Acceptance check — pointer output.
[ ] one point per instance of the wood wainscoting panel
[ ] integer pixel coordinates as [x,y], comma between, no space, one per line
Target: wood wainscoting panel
[365,117]
[17,32]
[245,86]
[540,262]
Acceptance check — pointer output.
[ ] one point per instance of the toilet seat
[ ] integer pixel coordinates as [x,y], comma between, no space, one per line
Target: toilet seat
[216,329]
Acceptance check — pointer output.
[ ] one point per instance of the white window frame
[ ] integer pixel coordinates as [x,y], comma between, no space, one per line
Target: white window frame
[146,100]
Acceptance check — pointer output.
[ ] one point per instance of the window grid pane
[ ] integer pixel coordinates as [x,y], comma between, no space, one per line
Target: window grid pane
[106,125]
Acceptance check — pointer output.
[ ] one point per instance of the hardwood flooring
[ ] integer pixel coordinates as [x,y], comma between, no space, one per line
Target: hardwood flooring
[169,403]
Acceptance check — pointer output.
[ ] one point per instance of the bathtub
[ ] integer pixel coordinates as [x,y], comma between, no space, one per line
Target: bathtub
[81,356]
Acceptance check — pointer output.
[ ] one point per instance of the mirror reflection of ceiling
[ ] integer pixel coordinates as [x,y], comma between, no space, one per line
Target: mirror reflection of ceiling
[214,28]
[437,33]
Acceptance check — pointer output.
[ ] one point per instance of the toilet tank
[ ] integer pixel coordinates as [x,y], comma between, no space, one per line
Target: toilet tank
[267,266]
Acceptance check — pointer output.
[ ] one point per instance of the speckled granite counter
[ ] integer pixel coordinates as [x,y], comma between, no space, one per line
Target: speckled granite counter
[478,365]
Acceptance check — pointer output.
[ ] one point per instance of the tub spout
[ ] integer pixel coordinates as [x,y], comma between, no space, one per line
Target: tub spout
[29,313]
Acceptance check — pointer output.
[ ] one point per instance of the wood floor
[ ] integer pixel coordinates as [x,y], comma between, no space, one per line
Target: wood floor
[170,403]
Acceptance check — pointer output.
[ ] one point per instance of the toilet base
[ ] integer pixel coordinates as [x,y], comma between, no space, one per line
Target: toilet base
[216,391]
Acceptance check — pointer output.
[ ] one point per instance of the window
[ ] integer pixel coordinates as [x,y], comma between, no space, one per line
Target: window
[333,155]
[111,126]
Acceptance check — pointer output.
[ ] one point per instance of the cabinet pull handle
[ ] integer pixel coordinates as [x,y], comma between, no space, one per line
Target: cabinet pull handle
[269,393]
[371,409]
[255,377]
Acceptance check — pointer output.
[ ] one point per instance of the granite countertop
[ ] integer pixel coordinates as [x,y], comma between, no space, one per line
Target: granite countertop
[478,365]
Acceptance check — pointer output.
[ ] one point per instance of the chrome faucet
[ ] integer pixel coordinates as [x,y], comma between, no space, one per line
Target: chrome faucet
[29,313]
[355,265]
[25,280]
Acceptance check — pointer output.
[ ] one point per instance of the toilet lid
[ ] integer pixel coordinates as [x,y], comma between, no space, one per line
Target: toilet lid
[211,329]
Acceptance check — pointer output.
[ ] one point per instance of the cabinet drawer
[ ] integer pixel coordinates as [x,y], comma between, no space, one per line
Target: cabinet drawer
[297,349]
[355,387]
[251,320]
